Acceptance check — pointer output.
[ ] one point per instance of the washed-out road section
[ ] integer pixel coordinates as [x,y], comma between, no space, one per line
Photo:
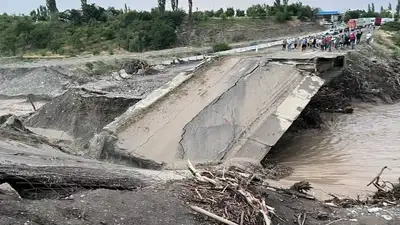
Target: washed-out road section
[237,106]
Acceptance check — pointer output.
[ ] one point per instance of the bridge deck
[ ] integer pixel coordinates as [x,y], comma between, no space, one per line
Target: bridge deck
[238,107]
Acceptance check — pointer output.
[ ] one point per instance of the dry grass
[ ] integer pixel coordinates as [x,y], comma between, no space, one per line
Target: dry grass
[385,39]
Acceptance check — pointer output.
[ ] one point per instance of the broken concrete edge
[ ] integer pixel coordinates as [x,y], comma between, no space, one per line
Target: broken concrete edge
[131,114]
[196,58]
[284,114]
[103,145]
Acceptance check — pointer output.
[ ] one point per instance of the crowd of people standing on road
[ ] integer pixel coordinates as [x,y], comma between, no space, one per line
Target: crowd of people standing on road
[325,42]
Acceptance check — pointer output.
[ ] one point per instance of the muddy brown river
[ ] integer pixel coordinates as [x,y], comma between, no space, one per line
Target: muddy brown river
[346,156]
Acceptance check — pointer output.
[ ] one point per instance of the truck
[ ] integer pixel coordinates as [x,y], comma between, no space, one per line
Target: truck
[370,21]
[378,21]
[361,23]
[352,24]
[387,20]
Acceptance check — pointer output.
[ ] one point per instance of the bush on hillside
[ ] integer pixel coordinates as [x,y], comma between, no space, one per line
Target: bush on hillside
[224,16]
[282,17]
[219,47]
[83,30]
[131,30]
[391,26]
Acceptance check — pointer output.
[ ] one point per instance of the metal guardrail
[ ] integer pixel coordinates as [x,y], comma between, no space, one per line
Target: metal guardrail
[231,51]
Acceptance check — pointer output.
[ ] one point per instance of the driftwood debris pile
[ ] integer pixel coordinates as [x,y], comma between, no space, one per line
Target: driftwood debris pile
[387,192]
[234,196]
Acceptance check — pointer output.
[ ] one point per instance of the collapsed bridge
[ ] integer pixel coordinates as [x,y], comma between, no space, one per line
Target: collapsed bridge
[237,106]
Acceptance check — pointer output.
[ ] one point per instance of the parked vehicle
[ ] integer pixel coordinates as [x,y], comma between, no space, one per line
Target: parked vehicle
[331,32]
[378,21]
[361,23]
[387,20]
[352,24]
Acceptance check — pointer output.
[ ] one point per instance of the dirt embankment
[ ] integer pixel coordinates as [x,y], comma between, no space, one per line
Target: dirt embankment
[240,30]
[80,112]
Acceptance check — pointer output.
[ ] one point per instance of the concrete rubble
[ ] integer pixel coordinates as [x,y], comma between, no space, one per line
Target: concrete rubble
[7,192]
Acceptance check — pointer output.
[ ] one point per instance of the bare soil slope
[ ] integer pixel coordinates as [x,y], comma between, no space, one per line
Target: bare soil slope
[80,112]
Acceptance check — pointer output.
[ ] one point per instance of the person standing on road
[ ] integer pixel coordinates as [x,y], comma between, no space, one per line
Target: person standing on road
[304,44]
[347,40]
[358,36]
[289,44]
[337,42]
[341,42]
[328,43]
[314,43]
[352,40]
[369,36]
[284,43]
[296,43]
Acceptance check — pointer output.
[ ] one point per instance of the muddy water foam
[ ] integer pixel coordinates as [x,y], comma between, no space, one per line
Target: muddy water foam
[344,158]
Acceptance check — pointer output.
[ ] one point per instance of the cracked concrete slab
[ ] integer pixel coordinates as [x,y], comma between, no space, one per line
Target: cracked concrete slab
[236,107]
[272,128]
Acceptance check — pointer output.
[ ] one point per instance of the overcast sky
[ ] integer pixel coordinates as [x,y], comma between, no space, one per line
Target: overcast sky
[25,6]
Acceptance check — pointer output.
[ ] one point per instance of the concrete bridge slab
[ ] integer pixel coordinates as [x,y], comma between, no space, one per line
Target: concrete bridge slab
[236,107]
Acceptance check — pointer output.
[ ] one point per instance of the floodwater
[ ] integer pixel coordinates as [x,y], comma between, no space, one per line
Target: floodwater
[346,156]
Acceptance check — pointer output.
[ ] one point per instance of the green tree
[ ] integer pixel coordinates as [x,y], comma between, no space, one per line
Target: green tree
[256,11]
[386,14]
[34,15]
[373,7]
[230,12]
[240,13]
[52,7]
[40,36]
[390,6]
[305,13]
[42,13]
[277,3]
[219,12]
[209,13]
[93,13]
[354,14]
[83,3]
[198,16]
[382,9]
[369,8]
[161,35]
[174,5]
[8,42]
[397,15]
[161,6]
[190,3]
